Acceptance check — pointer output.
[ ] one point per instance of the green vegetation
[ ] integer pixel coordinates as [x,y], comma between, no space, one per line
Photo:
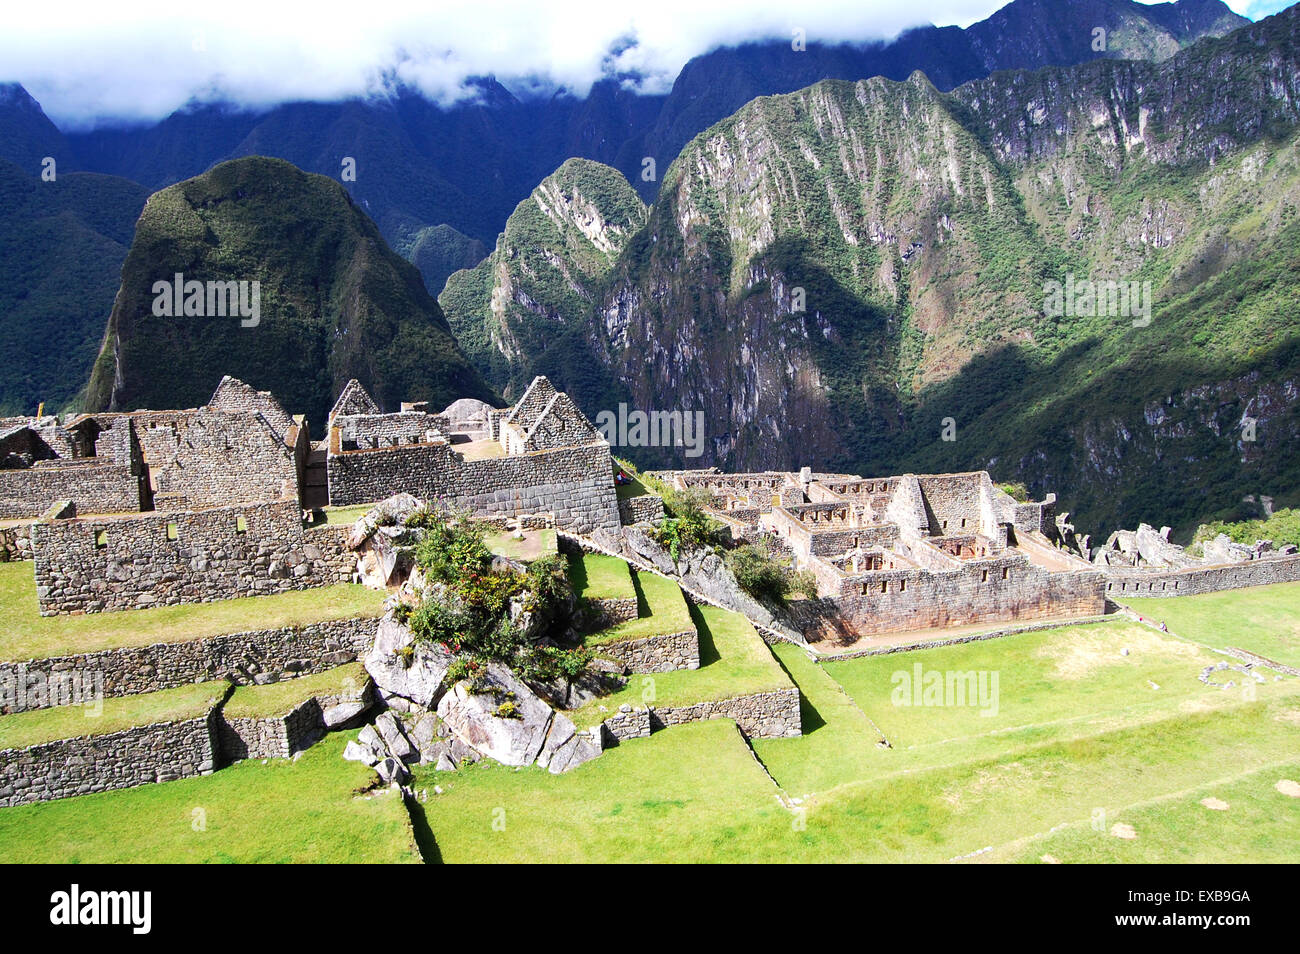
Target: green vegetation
[28,635]
[535,544]
[1282,527]
[1260,620]
[687,526]
[335,303]
[734,661]
[279,698]
[287,811]
[61,249]
[596,576]
[467,606]
[662,609]
[110,715]
[766,577]
[346,515]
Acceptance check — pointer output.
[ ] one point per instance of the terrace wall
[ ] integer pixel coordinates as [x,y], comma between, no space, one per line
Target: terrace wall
[272,737]
[152,753]
[269,655]
[663,652]
[1125,582]
[91,565]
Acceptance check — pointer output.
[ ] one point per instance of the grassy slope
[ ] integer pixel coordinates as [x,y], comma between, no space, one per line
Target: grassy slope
[1266,623]
[734,661]
[110,715]
[28,635]
[279,698]
[662,609]
[598,577]
[284,811]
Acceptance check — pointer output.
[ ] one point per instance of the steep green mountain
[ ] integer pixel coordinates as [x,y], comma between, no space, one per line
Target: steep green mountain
[61,249]
[924,228]
[335,301]
[437,251]
[525,309]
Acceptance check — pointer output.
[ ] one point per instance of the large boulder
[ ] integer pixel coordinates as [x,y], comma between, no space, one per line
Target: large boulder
[390,512]
[403,667]
[474,719]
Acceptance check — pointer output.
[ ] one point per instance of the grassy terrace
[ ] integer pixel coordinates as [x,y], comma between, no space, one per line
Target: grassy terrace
[662,609]
[279,698]
[343,516]
[1265,623]
[110,715]
[598,577]
[28,635]
[284,811]
[734,661]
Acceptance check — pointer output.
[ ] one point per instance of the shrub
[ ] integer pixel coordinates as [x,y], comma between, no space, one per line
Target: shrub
[765,576]
[687,526]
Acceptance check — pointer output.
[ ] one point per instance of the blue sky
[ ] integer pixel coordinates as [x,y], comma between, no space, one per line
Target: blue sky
[87,59]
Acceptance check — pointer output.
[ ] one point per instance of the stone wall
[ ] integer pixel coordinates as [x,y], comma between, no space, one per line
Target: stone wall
[662,652]
[976,592]
[1122,582]
[760,715]
[153,753]
[94,485]
[258,656]
[574,483]
[153,559]
[604,613]
[646,508]
[273,737]
[15,542]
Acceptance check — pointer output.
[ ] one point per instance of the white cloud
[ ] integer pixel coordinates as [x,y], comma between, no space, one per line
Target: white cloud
[85,59]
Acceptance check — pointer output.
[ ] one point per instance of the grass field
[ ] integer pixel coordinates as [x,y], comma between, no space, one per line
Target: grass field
[110,715]
[278,698]
[662,609]
[598,577]
[1268,623]
[28,635]
[733,662]
[281,811]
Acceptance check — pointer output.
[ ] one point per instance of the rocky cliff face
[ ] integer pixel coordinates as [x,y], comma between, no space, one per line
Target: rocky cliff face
[833,274]
[322,300]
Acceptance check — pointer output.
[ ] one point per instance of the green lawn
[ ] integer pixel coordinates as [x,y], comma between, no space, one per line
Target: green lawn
[1258,824]
[110,715]
[280,698]
[839,743]
[1267,623]
[347,515]
[682,795]
[598,577]
[1051,684]
[662,609]
[28,635]
[282,811]
[734,661]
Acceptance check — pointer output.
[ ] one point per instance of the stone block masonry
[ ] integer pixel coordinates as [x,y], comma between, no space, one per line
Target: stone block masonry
[153,753]
[663,652]
[242,658]
[94,564]
[573,483]
[15,542]
[1123,583]
[276,737]
[94,486]
[760,715]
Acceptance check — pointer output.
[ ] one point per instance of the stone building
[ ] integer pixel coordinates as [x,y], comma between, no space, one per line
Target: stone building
[909,552]
[541,456]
